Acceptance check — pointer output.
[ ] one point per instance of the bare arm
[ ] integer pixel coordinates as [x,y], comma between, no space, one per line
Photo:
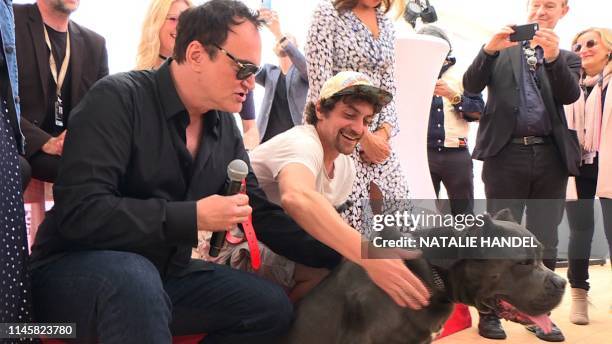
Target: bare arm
[250,134]
[316,215]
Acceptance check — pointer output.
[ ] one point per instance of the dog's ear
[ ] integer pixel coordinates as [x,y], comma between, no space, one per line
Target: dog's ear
[505,215]
[487,221]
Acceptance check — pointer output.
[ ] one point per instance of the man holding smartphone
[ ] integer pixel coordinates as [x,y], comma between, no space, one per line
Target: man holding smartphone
[523,139]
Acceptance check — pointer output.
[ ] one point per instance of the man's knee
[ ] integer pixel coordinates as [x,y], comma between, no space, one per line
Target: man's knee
[44,166]
[279,312]
[103,278]
[106,293]
[134,278]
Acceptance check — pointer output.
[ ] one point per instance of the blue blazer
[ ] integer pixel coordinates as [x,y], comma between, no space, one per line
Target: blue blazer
[7,30]
[297,88]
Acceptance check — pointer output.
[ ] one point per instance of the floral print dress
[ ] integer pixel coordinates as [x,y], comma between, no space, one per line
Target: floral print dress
[340,41]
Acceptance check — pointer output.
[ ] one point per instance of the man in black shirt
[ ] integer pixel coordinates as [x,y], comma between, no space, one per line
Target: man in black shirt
[143,166]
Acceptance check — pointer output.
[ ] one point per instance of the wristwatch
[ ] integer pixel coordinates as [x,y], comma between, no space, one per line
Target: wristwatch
[283,42]
[279,47]
[456,99]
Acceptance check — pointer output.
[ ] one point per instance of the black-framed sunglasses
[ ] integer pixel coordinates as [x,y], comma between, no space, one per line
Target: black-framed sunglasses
[245,69]
[589,44]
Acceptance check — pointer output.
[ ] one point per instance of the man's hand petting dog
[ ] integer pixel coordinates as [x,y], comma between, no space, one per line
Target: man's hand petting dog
[392,276]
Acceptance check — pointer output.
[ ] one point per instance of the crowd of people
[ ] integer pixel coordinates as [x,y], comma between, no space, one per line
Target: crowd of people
[138,161]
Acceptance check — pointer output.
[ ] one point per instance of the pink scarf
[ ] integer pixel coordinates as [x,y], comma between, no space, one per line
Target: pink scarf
[585,116]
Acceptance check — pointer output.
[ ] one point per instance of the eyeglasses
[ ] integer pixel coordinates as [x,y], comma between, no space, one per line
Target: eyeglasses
[245,69]
[589,44]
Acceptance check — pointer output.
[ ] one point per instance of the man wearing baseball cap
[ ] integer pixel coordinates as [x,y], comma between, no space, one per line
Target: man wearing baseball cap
[308,171]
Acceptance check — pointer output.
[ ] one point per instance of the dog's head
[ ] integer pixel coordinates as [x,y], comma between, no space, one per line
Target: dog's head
[502,274]
[511,282]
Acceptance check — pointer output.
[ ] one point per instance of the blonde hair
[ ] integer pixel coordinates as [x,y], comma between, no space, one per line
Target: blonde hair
[604,33]
[606,38]
[148,48]
[397,9]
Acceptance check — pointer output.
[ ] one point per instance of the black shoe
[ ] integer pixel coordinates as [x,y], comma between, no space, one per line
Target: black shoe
[555,334]
[490,327]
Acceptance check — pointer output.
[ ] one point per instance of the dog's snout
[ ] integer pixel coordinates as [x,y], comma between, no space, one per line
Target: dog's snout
[558,282]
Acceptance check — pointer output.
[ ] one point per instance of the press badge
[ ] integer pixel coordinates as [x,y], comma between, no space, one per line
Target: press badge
[59,112]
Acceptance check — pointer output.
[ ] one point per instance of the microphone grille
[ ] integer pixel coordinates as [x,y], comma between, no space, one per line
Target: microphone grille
[237,170]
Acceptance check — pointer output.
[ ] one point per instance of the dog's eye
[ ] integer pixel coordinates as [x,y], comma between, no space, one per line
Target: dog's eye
[525,262]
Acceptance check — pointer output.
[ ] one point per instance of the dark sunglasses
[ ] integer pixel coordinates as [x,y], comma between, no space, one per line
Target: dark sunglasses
[589,44]
[245,69]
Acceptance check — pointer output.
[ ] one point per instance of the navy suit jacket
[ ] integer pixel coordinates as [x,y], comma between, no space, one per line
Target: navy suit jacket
[501,74]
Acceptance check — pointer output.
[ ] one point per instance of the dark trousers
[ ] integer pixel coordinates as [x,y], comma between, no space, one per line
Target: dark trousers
[606,209]
[26,172]
[581,217]
[119,297]
[453,168]
[530,179]
[44,166]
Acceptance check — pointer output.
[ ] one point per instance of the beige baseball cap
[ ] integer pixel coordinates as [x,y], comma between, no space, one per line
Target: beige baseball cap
[350,82]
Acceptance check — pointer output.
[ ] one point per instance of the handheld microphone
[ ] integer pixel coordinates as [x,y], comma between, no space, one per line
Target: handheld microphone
[237,170]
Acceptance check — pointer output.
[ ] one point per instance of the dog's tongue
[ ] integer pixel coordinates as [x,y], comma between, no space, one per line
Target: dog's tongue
[543,321]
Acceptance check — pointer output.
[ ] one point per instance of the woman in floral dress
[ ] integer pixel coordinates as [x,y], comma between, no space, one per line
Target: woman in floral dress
[357,35]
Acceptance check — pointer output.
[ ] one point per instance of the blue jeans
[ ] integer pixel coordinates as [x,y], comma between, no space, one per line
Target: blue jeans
[119,297]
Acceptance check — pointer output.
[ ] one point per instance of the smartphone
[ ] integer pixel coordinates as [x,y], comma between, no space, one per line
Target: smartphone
[266,4]
[524,32]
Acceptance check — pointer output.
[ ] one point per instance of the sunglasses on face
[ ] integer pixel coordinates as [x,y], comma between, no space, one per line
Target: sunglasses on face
[589,44]
[245,69]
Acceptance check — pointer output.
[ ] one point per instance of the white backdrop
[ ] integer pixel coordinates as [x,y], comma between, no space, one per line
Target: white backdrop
[468,22]
[416,78]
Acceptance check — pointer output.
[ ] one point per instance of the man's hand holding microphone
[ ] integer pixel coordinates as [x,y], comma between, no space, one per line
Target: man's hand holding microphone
[219,214]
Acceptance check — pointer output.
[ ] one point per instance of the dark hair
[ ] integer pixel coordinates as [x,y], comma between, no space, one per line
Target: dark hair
[347,5]
[435,31]
[327,105]
[209,24]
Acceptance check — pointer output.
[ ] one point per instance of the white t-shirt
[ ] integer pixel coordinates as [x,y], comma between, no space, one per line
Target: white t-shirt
[301,145]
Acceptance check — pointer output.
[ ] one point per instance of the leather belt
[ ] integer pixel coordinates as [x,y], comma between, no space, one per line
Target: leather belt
[530,140]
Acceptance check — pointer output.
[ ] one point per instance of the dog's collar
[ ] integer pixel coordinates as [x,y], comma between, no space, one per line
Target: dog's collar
[437,280]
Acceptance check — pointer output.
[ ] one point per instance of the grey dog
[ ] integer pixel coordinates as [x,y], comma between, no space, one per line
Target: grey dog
[347,308]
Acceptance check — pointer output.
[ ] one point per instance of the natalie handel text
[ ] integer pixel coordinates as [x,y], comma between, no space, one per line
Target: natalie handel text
[452,241]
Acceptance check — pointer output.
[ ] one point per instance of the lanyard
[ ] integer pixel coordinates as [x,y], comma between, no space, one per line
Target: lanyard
[249,232]
[59,80]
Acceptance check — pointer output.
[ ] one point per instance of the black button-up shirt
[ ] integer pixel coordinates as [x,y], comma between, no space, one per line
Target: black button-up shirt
[128,183]
[532,117]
